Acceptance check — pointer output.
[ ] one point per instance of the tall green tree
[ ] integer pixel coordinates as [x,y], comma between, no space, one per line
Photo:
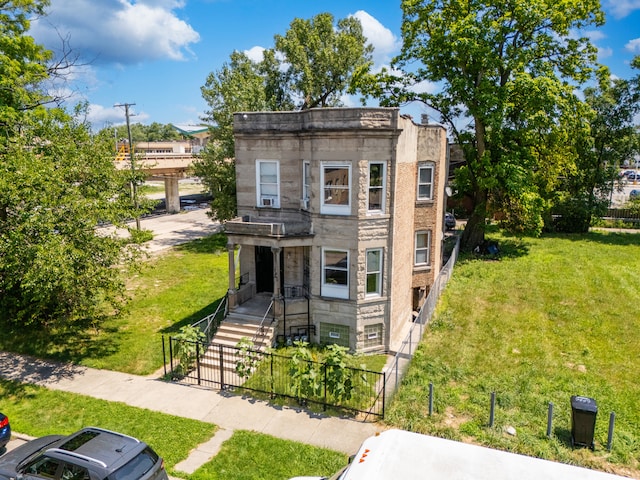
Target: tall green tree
[57,182]
[507,71]
[323,59]
[611,138]
[312,65]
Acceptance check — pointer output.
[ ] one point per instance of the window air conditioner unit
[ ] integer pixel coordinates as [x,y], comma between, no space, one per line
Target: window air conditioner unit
[267,201]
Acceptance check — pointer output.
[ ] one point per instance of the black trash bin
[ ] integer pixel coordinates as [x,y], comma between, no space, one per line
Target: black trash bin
[583,421]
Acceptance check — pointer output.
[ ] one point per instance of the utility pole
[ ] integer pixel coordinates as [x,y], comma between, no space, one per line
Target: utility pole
[134,188]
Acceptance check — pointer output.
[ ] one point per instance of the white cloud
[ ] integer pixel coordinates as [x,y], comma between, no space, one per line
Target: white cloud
[255,53]
[117,31]
[595,35]
[633,45]
[385,43]
[622,8]
[604,52]
[100,116]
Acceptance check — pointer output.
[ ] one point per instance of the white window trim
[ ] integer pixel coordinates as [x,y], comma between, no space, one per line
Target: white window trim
[427,248]
[383,187]
[331,289]
[262,201]
[422,166]
[335,209]
[378,272]
[306,187]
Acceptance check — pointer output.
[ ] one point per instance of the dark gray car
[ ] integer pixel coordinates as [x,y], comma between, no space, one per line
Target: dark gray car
[89,454]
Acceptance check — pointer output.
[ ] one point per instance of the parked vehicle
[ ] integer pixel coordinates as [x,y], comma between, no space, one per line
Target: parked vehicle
[5,431]
[411,456]
[634,194]
[89,454]
[449,221]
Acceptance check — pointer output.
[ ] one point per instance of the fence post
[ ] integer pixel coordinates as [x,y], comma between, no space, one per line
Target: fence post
[612,421]
[164,357]
[221,355]
[171,354]
[198,361]
[492,410]
[430,399]
[410,340]
[549,419]
[272,379]
[384,391]
[324,404]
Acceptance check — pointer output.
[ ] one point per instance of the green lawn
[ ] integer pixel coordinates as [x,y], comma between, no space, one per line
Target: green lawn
[174,289]
[254,456]
[36,411]
[553,317]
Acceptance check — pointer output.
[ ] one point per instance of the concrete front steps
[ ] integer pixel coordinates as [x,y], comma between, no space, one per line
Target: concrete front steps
[230,332]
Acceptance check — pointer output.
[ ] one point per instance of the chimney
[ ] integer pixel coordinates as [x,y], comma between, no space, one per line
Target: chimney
[424,119]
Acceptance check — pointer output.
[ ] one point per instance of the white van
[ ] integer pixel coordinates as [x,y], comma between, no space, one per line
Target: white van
[397,454]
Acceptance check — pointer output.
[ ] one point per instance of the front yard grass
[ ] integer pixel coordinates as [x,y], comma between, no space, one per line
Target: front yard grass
[552,317]
[37,411]
[254,456]
[176,288]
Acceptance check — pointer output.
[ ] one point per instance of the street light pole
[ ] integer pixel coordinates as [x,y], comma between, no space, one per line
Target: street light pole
[134,189]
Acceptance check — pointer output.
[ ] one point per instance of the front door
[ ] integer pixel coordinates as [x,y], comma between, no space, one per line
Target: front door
[264,269]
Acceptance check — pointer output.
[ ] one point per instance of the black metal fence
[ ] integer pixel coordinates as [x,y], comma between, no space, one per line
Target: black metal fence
[347,389]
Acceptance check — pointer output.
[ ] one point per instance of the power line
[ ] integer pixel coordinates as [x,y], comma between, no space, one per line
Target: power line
[134,189]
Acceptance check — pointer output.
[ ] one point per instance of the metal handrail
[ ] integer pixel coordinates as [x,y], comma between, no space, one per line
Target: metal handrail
[210,319]
[260,331]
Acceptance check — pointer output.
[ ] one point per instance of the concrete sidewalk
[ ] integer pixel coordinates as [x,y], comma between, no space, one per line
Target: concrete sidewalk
[228,412]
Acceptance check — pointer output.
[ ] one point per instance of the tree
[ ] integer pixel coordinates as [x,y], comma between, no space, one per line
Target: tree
[155,132]
[23,63]
[610,139]
[312,65]
[507,71]
[322,59]
[57,183]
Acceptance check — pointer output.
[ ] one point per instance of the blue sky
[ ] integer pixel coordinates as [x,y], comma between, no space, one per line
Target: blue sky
[158,53]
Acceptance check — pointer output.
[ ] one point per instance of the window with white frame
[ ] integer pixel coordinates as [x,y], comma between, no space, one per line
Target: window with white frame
[268,183]
[335,273]
[374,272]
[376,187]
[336,189]
[423,244]
[306,185]
[425,181]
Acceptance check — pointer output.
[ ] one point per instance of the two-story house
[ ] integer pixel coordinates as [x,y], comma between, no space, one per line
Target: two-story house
[340,221]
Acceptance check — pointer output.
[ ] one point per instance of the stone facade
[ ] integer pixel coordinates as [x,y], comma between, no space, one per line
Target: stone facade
[340,219]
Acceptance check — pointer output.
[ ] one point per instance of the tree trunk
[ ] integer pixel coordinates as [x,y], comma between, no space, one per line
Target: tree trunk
[473,234]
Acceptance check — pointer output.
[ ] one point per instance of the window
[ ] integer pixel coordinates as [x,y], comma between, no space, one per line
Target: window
[136,467]
[336,192]
[376,187]
[334,333]
[74,472]
[374,272]
[425,182]
[268,183]
[43,467]
[306,185]
[372,335]
[335,273]
[423,244]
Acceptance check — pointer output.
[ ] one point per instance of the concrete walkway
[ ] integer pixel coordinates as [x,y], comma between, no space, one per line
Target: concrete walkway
[228,412]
